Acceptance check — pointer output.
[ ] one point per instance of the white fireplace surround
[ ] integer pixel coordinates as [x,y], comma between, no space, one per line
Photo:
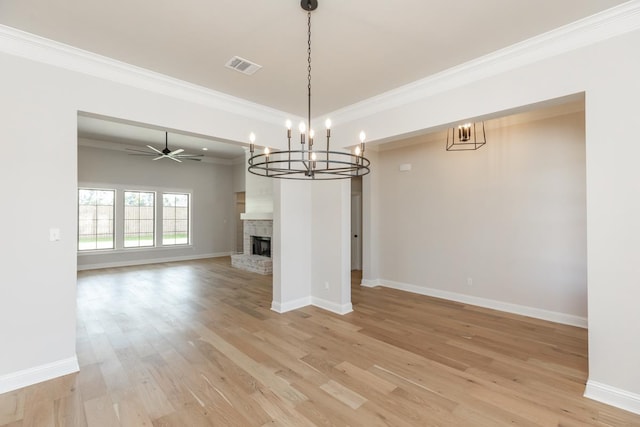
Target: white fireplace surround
[247,260]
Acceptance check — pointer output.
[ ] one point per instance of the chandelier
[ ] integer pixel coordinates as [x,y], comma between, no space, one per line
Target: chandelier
[467,138]
[310,161]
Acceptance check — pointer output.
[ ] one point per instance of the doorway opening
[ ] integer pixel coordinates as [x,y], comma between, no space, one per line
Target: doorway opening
[356,223]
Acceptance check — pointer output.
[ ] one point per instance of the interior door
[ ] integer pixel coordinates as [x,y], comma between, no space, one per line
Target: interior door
[356,232]
[239,224]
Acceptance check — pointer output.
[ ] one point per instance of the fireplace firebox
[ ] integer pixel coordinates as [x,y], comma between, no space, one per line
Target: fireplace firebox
[256,247]
[261,245]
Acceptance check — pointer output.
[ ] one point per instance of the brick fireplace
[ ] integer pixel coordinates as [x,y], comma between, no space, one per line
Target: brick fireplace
[256,246]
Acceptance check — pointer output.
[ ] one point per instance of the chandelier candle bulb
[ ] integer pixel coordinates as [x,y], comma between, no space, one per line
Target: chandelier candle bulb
[252,140]
[288,125]
[362,138]
[464,132]
[312,134]
[303,129]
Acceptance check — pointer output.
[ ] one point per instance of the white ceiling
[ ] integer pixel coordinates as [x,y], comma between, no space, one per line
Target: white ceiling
[359,48]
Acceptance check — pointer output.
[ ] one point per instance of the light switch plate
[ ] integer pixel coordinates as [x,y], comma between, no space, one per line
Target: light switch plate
[54,234]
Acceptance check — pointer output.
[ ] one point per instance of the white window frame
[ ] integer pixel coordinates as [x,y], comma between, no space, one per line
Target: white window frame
[113,219]
[124,220]
[119,222]
[189,210]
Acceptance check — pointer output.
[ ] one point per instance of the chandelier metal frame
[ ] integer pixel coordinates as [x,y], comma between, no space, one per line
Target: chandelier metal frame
[308,163]
[467,138]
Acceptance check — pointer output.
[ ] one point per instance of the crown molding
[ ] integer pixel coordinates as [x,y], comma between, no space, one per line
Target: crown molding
[599,27]
[609,23]
[30,46]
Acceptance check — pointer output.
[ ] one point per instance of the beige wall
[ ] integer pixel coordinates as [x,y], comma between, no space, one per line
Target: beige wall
[506,222]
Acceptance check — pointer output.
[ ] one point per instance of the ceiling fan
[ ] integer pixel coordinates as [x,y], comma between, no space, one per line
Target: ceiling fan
[166,153]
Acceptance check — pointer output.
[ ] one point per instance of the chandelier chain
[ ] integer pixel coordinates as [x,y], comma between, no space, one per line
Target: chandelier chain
[309,70]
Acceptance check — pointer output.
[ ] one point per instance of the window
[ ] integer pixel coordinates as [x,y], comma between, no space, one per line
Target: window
[139,219]
[95,219]
[175,219]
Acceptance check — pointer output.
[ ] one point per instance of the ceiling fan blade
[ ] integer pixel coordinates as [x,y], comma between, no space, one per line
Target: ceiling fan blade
[178,151]
[176,159]
[143,154]
[159,157]
[156,150]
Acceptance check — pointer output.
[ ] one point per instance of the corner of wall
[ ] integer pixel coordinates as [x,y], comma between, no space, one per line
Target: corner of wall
[38,374]
[613,396]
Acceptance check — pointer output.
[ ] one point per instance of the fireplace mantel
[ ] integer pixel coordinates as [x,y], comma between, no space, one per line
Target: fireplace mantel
[261,216]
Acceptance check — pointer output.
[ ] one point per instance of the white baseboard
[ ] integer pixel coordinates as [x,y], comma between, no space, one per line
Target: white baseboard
[283,307]
[38,374]
[332,306]
[369,283]
[538,313]
[613,396]
[128,263]
[317,302]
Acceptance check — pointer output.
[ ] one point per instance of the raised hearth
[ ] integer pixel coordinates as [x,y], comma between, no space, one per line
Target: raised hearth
[255,230]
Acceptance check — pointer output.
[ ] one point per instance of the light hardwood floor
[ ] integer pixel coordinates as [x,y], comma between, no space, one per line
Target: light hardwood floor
[195,344]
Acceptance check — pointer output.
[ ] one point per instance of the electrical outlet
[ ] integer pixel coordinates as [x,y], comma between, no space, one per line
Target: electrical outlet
[326,285]
[469,281]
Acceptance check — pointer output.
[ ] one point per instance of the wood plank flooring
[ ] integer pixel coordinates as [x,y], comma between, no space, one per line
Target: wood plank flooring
[196,344]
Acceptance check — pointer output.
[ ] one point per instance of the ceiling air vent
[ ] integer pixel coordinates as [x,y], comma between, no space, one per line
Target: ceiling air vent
[242,65]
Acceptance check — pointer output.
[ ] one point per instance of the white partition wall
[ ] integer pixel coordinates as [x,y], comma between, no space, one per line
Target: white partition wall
[291,250]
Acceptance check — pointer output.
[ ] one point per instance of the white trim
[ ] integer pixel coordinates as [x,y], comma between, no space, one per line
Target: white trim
[256,216]
[316,302]
[538,313]
[128,263]
[38,374]
[290,305]
[368,283]
[332,306]
[613,396]
[40,49]
[609,23]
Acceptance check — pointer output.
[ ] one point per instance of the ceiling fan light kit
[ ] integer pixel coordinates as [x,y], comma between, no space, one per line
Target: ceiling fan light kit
[307,162]
[165,153]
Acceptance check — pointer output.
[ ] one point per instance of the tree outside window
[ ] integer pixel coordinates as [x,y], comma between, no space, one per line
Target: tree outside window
[139,219]
[175,219]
